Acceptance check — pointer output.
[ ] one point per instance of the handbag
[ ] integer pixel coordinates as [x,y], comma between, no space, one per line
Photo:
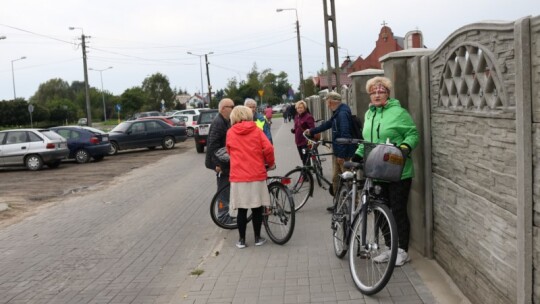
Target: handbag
[222,155]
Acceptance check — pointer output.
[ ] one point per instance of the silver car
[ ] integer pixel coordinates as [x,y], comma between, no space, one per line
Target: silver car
[32,148]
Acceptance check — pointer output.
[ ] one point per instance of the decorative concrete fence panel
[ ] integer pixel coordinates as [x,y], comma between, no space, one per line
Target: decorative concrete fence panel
[481,137]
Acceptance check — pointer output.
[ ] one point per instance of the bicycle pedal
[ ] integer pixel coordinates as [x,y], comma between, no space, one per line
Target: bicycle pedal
[363,255]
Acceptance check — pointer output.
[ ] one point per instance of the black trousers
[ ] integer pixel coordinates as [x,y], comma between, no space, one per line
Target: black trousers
[397,194]
[302,151]
[241,219]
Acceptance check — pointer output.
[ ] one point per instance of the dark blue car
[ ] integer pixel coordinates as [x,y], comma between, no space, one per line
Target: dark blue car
[85,142]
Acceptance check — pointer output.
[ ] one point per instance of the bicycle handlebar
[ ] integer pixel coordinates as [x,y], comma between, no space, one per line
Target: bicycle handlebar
[311,139]
[349,141]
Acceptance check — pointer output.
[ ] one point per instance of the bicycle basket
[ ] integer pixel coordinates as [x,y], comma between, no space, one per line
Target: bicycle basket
[383,162]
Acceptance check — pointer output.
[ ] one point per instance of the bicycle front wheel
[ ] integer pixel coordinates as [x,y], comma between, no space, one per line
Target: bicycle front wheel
[340,220]
[374,234]
[279,217]
[219,210]
[301,186]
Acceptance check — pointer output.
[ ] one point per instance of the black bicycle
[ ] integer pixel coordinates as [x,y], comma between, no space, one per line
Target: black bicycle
[302,184]
[278,218]
[362,220]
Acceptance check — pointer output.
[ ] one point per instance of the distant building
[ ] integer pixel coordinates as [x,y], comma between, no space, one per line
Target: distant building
[386,43]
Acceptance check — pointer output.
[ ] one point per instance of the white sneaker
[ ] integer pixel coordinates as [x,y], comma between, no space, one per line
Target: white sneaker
[383,257]
[402,257]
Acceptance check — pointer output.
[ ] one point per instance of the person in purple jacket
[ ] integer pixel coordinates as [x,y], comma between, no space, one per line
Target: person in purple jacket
[302,121]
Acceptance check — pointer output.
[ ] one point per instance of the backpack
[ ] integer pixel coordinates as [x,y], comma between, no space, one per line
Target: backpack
[356,127]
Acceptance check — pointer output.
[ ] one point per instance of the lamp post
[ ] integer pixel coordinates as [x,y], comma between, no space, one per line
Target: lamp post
[299,48]
[102,94]
[200,65]
[83,44]
[13,75]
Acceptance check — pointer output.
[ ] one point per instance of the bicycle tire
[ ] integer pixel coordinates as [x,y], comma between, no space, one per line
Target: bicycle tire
[301,186]
[369,276]
[219,210]
[340,220]
[279,217]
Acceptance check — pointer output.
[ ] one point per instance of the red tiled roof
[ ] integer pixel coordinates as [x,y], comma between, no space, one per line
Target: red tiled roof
[322,80]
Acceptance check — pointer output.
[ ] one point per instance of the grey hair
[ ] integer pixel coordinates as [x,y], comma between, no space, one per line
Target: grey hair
[222,103]
[249,101]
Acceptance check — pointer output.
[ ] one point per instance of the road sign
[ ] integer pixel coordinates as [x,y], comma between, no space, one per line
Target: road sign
[30,108]
[118,107]
[261,93]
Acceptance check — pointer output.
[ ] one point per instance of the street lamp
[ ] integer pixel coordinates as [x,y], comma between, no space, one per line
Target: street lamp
[299,48]
[83,44]
[200,64]
[102,94]
[13,75]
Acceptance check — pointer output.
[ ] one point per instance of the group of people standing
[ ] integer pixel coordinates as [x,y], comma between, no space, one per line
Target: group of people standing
[251,153]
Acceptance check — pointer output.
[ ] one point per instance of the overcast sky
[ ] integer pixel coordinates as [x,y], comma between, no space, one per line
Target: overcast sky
[139,37]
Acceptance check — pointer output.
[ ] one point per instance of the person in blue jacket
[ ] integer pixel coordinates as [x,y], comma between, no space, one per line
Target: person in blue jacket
[340,122]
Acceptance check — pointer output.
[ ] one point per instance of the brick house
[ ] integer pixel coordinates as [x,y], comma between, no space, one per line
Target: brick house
[386,43]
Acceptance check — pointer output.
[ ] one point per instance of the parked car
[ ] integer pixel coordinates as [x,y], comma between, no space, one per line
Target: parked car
[190,121]
[144,114]
[203,126]
[85,143]
[148,133]
[32,148]
[169,120]
[195,111]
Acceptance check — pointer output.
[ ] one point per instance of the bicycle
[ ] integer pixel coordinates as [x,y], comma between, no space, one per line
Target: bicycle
[367,226]
[278,218]
[302,184]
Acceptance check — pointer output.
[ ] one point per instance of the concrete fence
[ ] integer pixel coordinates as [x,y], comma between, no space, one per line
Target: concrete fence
[475,202]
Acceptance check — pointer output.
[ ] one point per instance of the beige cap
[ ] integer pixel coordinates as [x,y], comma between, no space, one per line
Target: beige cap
[333,96]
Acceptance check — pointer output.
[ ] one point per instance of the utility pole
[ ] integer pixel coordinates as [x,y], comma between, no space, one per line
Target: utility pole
[331,46]
[300,66]
[86,89]
[208,80]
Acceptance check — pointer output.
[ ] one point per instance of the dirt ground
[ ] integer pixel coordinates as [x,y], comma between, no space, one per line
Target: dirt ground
[25,191]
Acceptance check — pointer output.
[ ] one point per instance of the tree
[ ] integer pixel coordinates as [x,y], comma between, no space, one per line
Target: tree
[55,88]
[132,101]
[157,88]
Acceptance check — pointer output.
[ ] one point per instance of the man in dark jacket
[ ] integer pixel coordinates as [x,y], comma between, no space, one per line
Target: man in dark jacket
[340,122]
[216,140]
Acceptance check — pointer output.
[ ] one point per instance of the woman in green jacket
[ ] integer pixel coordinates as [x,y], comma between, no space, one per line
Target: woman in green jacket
[386,119]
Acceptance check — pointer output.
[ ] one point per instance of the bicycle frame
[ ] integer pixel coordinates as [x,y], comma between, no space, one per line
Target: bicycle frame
[313,156]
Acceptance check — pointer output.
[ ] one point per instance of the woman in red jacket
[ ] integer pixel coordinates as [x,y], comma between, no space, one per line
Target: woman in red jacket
[250,154]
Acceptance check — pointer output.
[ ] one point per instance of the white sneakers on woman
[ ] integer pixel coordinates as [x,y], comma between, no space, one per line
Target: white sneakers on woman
[402,257]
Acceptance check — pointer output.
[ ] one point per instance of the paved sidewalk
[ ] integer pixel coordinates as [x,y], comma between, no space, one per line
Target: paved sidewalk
[305,270]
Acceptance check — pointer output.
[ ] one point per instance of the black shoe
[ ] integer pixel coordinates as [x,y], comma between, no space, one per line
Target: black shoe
[331,208]
[241,244]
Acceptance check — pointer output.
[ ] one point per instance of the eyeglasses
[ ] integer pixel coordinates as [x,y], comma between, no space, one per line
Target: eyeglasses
[230,107]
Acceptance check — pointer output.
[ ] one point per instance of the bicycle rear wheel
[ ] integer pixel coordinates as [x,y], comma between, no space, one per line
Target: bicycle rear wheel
[373,233]
[219,210]
[279,218]
[301,186]
[340,221]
